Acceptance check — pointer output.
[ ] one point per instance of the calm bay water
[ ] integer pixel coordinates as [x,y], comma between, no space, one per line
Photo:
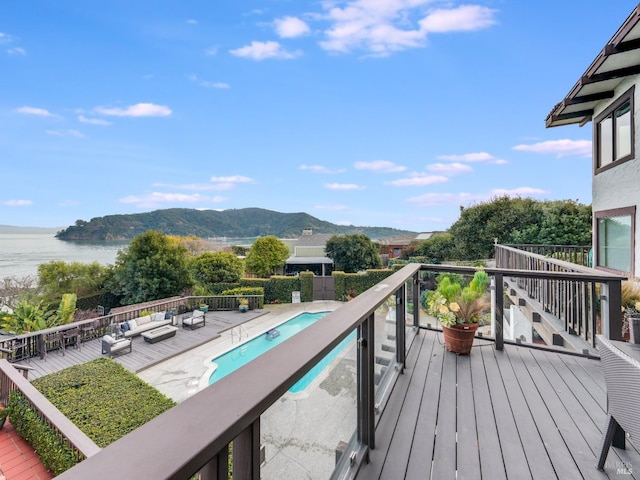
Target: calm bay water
[20,254]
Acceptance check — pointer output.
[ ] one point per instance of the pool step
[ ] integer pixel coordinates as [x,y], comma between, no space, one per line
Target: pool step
[378,372]
[387,347]
[385,357]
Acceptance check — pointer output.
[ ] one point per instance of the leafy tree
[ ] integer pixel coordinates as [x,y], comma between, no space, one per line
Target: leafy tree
[26,317]
[215,267]
[351,253]
[55,278]
[437,249]
[266,256]
[563,222]
[151,267]
[520,220]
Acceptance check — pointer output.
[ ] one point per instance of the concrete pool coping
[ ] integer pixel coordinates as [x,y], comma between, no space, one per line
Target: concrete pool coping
[183,375]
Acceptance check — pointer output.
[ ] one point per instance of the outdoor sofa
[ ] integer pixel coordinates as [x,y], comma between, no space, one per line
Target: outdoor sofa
[134,327]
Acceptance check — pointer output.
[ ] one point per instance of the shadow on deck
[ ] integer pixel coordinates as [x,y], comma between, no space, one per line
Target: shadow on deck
[143,354]
[518,413]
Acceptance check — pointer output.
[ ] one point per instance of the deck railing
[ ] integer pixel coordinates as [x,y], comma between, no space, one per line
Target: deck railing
[578,254]
[11,379]
[195,435]
[33,344]
[574,299]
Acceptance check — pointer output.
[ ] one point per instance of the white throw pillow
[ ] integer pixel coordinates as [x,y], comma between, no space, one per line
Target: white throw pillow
[109,339]
[132,324]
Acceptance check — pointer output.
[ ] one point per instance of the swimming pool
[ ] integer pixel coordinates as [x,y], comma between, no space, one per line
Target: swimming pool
[243,354]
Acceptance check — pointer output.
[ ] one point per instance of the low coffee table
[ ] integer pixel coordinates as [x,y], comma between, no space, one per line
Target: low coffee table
[160,333]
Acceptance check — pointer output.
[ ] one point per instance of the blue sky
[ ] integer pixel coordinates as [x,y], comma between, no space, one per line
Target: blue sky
[366,112]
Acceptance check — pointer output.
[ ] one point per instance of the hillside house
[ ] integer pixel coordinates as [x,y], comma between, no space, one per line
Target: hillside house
[605,96]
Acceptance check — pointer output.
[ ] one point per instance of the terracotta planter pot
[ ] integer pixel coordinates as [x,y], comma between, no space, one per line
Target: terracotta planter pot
[459,338]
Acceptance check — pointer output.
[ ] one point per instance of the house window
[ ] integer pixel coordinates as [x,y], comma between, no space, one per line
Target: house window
[614,133]
[615,233]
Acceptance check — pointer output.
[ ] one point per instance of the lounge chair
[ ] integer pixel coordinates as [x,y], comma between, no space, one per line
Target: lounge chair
[112,346]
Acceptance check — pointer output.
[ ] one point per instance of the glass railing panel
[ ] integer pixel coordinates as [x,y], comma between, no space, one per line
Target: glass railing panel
[385,342]
[304,434]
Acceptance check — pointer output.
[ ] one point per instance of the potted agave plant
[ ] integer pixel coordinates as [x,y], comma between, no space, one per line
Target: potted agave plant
[460,309]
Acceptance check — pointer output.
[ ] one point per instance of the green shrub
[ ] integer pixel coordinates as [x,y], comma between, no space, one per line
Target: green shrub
[100,397]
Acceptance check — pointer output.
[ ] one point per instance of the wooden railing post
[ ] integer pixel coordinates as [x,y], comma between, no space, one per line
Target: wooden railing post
[611,299]
[499,310]
[246,453]
[365,373]
[217,468]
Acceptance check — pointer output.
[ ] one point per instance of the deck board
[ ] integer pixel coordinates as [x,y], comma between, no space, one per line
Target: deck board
[512,414]
[143,354]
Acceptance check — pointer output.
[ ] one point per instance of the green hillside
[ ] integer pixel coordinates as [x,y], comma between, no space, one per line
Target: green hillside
[245,222]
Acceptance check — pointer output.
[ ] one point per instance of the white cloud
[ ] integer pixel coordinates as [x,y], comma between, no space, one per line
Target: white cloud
[192,21]
[343,186]
[385,26]
[264,50]
[39,112]
[93,121]
[383,166]
[448,199]
[418,180]
[137,110]
[560,148]
[232,179]
[518,192]
[203,187]
[65,133]
[454,168]
[5,38]
[344,223]
[460,19]
[480,157]
[444,199]
[206,83]
[320,169]
[17,203]
[16,51]
[291,27]
[335,208]
[211,51]
[156,198]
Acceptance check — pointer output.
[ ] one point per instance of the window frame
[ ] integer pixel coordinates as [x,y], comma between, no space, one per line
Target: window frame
[616,212]
[629,96]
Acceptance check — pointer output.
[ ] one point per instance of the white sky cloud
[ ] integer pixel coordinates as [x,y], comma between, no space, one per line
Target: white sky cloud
[93,121]
[559,148]
[480,157]
[16,51]
[320,169]
[156,198]
[5,38]
[335,208]
[291,27]
[39,112]
[418,180]
[518,192]
[385,26]
[192,21]
[264,50]
[17,203]
[211,51]
[383,166]
[207,84]
[229,182]
[137,110]
[65,133]
[454,168]
[343,186]
[462,198]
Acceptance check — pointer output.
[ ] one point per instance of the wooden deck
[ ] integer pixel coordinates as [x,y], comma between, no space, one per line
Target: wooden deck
[518,414]
[143,354]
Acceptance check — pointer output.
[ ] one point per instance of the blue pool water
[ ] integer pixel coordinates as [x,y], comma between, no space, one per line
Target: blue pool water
[242,354]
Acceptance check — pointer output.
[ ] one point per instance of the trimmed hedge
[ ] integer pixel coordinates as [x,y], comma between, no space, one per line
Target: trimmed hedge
[280,287]
[358,283]
[100,397]
[306,286]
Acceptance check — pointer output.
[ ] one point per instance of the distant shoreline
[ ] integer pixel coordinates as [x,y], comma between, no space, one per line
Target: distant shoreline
[13,229]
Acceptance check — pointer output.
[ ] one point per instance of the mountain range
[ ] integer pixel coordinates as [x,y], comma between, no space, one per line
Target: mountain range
[244,222]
